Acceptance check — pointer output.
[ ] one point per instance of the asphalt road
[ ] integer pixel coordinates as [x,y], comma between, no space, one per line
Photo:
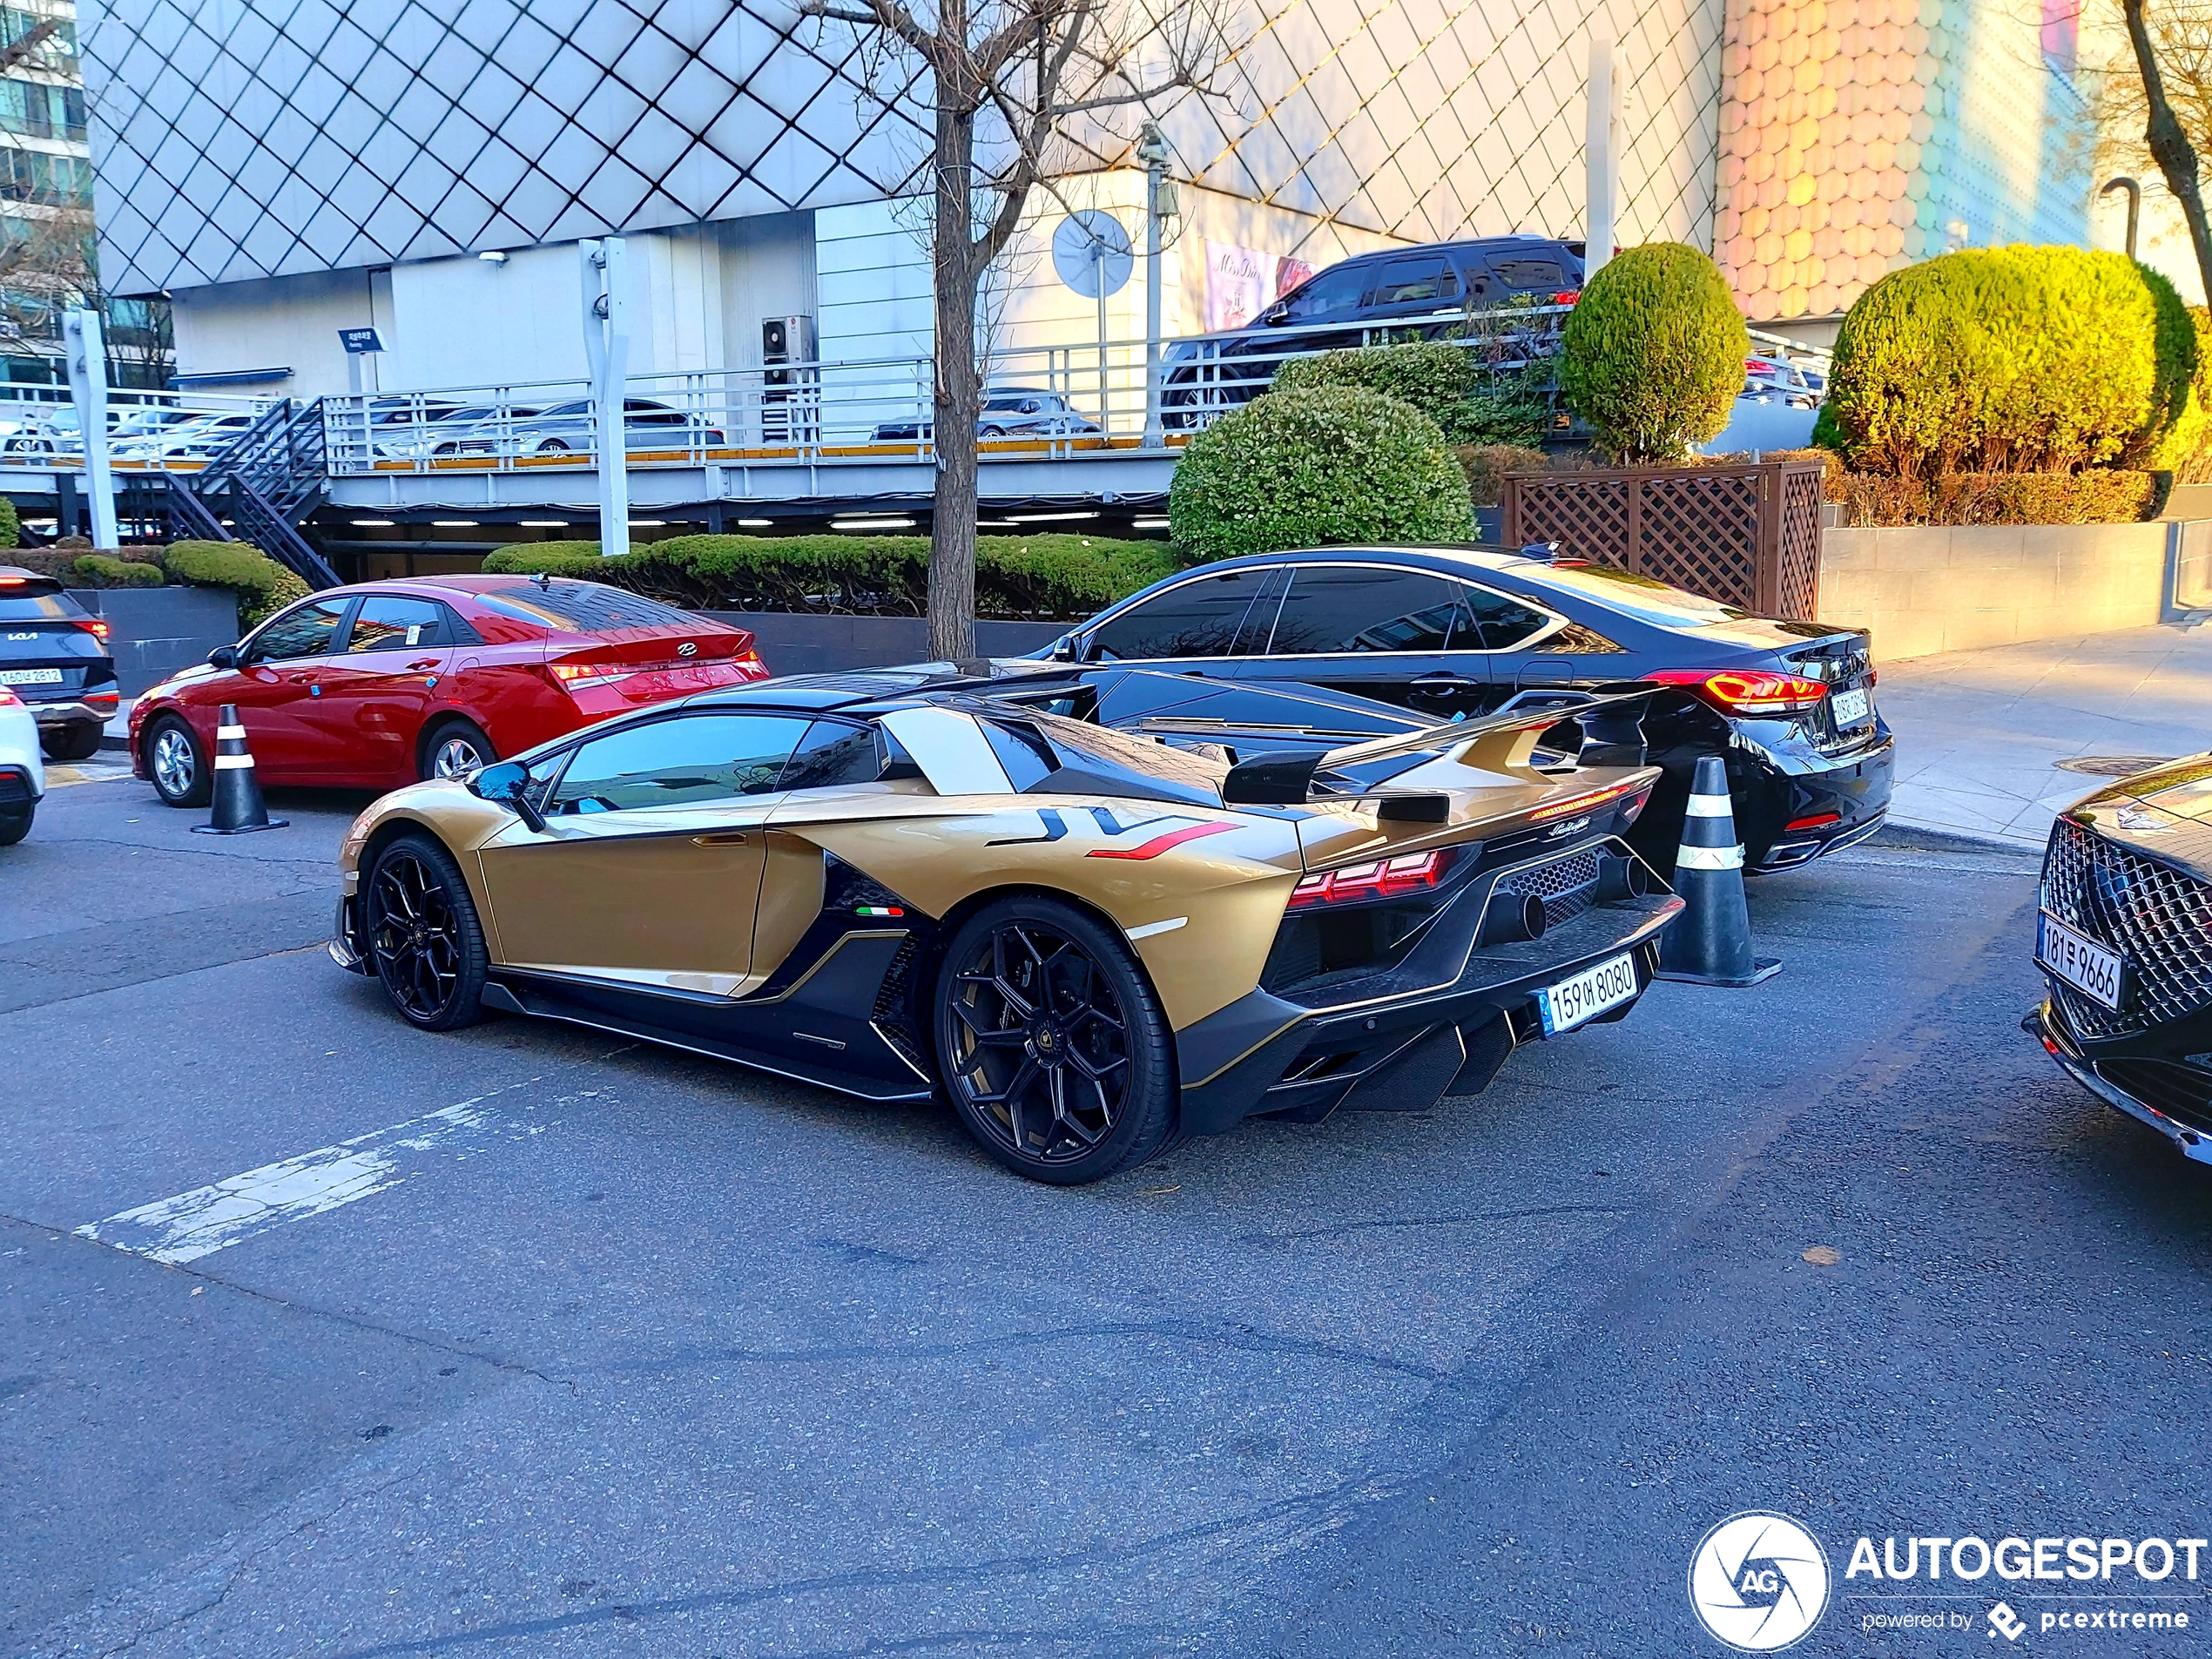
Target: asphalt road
[624,1352]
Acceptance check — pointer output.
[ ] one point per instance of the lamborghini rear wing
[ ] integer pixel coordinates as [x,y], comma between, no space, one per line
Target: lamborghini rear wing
[1499,746]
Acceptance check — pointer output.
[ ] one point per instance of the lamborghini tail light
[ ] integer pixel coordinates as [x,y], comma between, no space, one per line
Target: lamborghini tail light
[1746,690]
[1379,879]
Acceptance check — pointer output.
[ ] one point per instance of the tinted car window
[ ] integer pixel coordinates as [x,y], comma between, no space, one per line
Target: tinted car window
[1404,281]
[386,624]
[18,607]
[1353,608]
[305,631]
[1195,618]
[832,753]
[1529,273]
[1493,622]
[1639,596]
[674,763]
[1333,294]
[583,607]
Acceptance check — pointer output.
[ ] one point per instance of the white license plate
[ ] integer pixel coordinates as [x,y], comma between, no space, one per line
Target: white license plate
[1852,708]
[2083,963]
[1566,1005]
[31,676]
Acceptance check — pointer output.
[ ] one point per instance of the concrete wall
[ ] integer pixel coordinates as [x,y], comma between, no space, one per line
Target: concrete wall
[790,644]
[155,631]
[1930,589]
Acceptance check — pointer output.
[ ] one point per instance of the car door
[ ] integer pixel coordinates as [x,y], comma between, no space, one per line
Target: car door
[1564,655]
[1383,631]
[279,679]
[647,875]
[379,686]
[1195,627]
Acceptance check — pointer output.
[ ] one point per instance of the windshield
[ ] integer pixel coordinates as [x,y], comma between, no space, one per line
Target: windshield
[1641,596]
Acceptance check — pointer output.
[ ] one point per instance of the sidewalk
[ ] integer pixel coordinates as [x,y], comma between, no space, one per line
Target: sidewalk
[1981,734]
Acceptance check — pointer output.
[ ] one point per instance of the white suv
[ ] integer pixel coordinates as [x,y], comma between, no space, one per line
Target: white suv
[23,773]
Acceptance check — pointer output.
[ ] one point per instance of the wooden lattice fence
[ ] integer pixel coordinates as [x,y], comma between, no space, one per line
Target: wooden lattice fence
[1746,535]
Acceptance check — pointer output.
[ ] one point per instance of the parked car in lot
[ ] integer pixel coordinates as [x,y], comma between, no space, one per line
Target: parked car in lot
[22,774]
[1467,631]
[1093,941]
[1007,412]
[381,684]
[2124,939]
[566,429]
[54,657]
[1423,293]
[1775,379]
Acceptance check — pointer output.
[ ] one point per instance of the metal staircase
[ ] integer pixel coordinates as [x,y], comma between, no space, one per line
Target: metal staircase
[264,482]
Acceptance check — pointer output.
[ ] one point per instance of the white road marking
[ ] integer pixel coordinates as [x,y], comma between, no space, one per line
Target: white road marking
[196,1223]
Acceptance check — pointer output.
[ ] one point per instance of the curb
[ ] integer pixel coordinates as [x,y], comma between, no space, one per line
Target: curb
[1930,840]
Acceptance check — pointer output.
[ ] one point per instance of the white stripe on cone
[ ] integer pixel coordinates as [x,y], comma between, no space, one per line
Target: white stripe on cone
[233,763]
[238,731]
[1710,857]
[1708,806]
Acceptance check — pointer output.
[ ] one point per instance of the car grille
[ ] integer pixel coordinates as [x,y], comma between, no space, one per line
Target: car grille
[2157,917]
[2183,1092]
[1567,886]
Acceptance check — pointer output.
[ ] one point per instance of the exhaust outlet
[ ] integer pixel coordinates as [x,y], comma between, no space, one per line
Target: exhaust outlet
[1508,923]
[1622,877]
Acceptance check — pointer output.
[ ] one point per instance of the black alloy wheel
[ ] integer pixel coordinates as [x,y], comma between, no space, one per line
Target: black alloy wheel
[1052,1044]
[178,764]
[424,939]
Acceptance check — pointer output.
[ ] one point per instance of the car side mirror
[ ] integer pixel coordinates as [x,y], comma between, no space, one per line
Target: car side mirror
[1063,649]
[1275,315]
[508,784]
[223,656]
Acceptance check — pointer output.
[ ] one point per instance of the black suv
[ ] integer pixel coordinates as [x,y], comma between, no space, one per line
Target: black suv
[54,655]
[1421,291]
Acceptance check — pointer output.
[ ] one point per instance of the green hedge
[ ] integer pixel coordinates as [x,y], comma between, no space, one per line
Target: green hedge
[2010,359]
[262,585]
[1652,356]
[1332,466]
[1055,576]
[1449,383]
[2095,495]
[10,524]
[105,571]
[2185,450]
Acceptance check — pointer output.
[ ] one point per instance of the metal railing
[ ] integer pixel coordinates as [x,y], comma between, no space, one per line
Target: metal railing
[1057,401]
[148,431]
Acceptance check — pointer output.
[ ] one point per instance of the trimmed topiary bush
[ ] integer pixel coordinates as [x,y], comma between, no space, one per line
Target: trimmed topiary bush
[1332,466]
[2095,496]
[1652,356]
[2185,449]
[1449,383]
[105,571]
[1052,576]
[262,585]
[11,525]
[2010,359]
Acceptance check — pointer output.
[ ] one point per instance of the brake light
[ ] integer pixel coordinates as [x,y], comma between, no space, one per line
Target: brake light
[9,700]
[1567,296]
[1380,879]
[1746,690]
[103,696]
[1592,799]
[1818,821]
[575,677]
[95,627]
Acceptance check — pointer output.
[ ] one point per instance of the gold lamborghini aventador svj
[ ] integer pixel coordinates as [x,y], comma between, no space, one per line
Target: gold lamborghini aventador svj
[1100,909]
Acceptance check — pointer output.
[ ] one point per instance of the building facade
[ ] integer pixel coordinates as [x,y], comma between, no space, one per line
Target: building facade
[45,185]
[283,169]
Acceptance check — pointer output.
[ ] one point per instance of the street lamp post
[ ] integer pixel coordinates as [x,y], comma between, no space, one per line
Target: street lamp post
[606,346]
[1159,203]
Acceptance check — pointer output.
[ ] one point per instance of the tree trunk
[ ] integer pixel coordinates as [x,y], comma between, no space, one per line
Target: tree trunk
[958,398]
[2170,146]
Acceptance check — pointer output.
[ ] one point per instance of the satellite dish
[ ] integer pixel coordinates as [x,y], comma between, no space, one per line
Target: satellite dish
[1091,253]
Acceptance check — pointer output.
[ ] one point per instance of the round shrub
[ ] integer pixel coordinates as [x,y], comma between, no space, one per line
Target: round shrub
[262,585]
[2185,449]
[2010,359]
[1652,356]
[1332,466]
[1433,376]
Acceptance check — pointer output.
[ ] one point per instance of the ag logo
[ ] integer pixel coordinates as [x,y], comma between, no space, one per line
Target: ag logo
[1759,1582]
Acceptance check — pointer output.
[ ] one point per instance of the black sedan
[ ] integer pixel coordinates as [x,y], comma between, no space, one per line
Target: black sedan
[1788,705]
[54,655]
[2125,941]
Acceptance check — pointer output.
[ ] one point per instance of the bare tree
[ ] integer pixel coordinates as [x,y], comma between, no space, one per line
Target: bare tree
[2177,39]
[26,46]
[1005,82]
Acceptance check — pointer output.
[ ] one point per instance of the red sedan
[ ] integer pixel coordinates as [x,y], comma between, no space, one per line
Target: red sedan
[379,684]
